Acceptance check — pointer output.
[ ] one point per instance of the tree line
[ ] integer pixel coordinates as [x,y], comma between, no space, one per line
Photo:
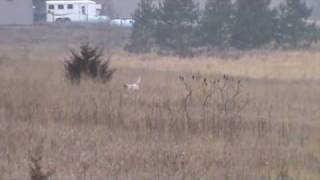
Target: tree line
[180,26]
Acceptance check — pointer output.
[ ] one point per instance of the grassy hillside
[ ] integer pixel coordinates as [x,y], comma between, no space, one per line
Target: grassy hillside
[258,122]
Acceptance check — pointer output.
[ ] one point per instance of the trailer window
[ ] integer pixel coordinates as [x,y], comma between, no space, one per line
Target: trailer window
[98,12]
[51,7]
[83,10]
[70,6]
[60,6]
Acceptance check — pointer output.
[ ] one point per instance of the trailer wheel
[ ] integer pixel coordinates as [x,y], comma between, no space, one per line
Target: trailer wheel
[67,20]
[59,21]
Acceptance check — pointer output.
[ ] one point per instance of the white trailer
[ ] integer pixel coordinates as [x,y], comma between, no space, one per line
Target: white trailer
[74,11]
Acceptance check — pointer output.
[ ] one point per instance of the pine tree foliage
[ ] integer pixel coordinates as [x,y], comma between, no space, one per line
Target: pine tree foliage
[255,24]
[294,30]
[88,64]
[179,26]
[176,21]
[142,39]
[216,23]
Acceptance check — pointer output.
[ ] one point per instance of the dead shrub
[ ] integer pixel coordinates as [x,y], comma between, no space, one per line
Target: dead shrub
[221,100]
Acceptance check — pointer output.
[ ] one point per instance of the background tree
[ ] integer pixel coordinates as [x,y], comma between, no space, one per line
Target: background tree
[176,22]
[108,8]
[39,10]
[143,29]
[294,29]
[216,23]
[255,24]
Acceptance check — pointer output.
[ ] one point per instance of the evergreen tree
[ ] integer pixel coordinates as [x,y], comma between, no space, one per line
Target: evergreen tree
[216,23]
[294,30]
[255,24]
[142,34]
[176,22]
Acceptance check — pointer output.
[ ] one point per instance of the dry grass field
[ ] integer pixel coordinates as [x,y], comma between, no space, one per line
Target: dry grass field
[259,122]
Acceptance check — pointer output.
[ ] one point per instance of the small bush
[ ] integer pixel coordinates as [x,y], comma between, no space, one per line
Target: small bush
[36,171]
[88,64]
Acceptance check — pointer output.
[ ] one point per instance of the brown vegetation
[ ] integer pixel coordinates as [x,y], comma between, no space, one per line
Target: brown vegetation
[260,121]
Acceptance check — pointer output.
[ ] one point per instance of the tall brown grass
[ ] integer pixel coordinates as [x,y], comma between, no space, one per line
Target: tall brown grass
[263,127]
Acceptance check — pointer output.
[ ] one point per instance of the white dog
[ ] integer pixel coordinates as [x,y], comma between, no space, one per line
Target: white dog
[133,86]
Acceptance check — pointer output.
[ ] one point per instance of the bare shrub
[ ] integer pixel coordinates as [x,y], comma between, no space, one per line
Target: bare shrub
[221,100]
[88,64]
